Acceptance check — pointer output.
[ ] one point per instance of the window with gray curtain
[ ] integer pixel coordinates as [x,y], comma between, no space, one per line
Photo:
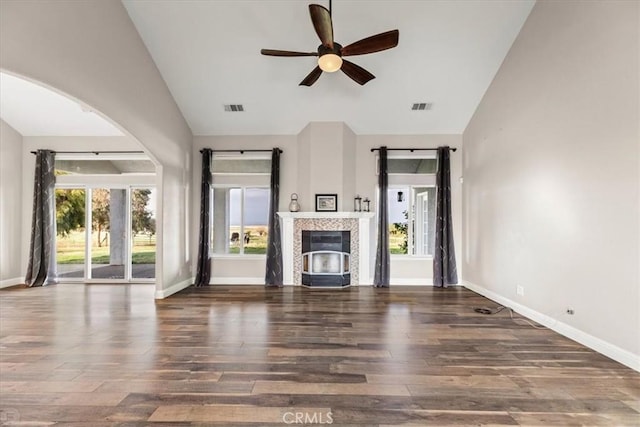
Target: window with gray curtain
[203,271]
[273,275]
[240,203]
[41,270]
[382,270]
[444,259]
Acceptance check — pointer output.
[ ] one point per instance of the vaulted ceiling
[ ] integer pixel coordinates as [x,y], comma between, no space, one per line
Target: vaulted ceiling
[208,53]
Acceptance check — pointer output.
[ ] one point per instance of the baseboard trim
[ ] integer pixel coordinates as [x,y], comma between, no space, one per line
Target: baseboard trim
[236,281]
[173,288]
[411,282]
[610,350]
[260,281]
[11,282]
[416,282]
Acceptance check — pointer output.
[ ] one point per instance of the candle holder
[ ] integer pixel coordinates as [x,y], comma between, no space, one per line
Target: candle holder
[357,204]
[366,204]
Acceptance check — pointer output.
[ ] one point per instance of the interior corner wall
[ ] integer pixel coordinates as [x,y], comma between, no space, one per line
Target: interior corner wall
[551,190]
[349,177]
[303,177]
[326,162]
[11,214]
[92,52]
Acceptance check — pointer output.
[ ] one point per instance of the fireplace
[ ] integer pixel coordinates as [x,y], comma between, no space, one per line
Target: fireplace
[360,228]
[326,258]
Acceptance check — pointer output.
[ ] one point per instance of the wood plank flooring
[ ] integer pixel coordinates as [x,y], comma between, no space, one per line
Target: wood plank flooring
[103,355]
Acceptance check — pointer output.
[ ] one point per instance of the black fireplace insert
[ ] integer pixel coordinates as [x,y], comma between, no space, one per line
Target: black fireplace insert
[326,258]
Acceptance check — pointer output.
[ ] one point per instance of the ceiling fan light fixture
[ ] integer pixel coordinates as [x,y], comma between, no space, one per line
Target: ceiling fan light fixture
[330,62]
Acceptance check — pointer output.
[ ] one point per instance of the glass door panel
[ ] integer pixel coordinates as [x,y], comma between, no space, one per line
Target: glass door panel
[108,233]
[143,233]
[71,232]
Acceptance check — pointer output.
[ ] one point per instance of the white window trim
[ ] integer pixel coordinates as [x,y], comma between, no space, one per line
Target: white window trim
[249,156]
[411,195]
[240,255]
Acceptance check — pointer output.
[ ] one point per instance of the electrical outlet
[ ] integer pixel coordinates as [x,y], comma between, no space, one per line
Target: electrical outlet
[570,311]
[520,290]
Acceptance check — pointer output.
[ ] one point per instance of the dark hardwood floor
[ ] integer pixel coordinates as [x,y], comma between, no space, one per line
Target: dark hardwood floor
[94,355]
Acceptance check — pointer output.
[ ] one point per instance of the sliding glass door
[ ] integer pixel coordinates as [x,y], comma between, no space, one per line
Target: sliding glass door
[71,248]
[108,246]
[143,233]
[106,233]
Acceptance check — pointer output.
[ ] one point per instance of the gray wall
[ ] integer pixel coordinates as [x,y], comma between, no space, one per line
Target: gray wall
[91,52]
[11,214]
[315,161]
[552,177]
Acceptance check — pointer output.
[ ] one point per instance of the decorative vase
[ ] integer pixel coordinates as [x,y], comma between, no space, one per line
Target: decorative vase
[294,206]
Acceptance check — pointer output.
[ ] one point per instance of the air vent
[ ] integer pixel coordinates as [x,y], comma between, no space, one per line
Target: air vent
[421,106]
[233,107]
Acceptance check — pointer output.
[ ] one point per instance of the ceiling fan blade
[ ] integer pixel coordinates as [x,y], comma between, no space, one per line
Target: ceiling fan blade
[356,72]
[382,41]
[321,19]
[311,77]
[274,52]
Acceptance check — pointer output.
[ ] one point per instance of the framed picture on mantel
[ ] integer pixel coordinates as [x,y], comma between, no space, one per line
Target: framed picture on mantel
[326,202]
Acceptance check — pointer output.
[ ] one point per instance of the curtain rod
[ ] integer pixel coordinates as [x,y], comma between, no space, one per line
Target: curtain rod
[241,151]
[411,149]
[94,152]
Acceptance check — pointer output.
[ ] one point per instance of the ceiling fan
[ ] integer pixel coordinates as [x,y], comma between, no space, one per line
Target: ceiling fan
[330,54]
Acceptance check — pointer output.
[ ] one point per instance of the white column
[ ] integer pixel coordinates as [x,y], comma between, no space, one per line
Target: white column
[363,247]
[287,250]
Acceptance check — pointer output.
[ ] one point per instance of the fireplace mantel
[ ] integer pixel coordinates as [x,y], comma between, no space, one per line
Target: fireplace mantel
[322,215]
[359,223]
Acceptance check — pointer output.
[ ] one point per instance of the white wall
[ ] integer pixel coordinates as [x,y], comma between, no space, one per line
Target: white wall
[551,192]
[11,213]
[91,51]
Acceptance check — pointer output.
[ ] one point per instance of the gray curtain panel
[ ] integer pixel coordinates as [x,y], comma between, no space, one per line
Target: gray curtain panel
[41,270]
[382,271]
[444,258]
[203,272]
[273,275]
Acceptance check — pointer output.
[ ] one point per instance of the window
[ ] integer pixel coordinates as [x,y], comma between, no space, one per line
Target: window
[411,201]
[412,165]
[105,165]
[240,205]
[411,220]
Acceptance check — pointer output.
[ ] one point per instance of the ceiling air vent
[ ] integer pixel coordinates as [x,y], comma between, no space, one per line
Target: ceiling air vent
[233,107]
[421,106]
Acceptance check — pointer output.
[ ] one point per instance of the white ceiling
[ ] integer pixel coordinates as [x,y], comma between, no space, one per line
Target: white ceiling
[209,55]
[208,52]
[33,110]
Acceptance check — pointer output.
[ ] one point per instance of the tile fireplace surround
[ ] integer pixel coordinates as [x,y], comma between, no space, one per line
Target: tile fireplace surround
[358,223]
